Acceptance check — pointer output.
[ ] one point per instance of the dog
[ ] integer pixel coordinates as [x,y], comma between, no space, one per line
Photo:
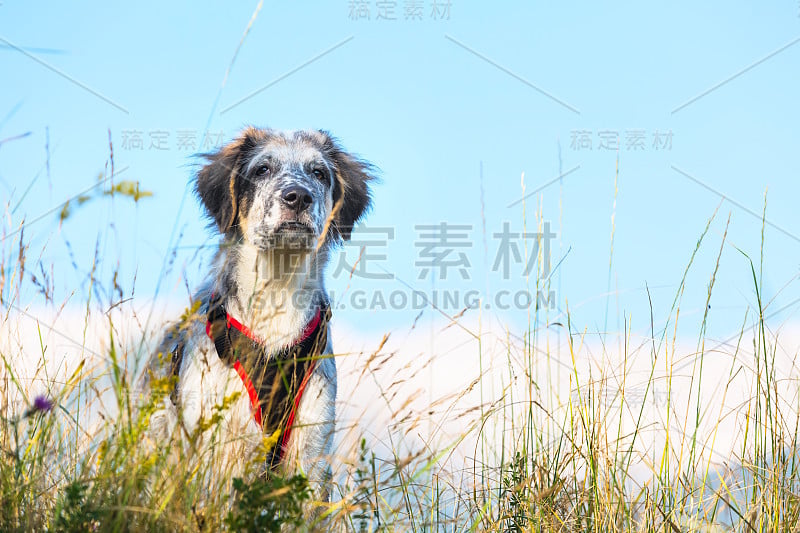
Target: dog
[253,353]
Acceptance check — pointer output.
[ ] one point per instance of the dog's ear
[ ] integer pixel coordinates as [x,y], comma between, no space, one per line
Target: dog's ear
[351,194]
[218,181]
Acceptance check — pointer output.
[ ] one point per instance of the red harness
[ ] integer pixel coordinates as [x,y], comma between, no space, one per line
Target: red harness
[252,393]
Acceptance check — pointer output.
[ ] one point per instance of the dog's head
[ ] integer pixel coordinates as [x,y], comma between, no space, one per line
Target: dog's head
[276,189]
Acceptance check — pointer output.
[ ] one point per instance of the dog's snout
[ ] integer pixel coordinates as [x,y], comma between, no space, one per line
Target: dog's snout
[297,198]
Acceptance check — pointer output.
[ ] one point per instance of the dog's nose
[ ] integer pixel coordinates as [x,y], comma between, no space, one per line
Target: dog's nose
[297,198]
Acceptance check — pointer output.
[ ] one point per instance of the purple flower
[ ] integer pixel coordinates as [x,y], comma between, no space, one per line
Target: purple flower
[41,404]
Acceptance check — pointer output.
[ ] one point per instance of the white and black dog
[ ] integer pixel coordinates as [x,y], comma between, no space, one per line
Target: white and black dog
[254,353]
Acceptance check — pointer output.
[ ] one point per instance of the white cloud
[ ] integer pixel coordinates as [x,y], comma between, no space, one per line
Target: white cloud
[466,384]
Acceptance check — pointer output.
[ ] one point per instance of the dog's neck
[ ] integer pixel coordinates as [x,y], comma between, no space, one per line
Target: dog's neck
[274,293]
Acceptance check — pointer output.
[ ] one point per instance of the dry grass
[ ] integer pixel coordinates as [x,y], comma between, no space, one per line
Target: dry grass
[629,449]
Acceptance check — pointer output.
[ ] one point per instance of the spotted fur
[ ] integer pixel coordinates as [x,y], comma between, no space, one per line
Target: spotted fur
[281,201]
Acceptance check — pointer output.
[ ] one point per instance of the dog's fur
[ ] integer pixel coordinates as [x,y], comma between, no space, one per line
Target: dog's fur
[282,201]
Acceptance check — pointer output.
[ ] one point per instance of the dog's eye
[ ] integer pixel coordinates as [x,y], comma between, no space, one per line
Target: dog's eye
[319,174]
[263,170]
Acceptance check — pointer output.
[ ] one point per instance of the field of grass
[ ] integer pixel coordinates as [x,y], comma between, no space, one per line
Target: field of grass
[535,453]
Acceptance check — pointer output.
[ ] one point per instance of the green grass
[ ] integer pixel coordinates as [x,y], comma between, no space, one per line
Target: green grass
[537,465]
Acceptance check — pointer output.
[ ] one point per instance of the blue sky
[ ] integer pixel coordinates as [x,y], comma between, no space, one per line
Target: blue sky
[509,88]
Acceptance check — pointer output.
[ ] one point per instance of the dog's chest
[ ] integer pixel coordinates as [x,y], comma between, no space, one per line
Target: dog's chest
[211,389]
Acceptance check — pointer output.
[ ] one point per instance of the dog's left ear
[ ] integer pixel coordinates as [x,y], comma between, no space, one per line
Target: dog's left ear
[219,181]
[351,194]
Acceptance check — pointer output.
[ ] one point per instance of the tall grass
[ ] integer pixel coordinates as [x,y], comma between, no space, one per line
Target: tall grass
[76,453]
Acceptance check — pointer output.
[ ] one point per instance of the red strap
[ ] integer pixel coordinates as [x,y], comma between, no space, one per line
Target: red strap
[251,391]
[256,405]
[241,327]
[290,421]
[311,326]
[309,329]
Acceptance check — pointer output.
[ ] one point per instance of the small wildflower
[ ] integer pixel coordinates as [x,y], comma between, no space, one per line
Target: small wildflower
[41,404]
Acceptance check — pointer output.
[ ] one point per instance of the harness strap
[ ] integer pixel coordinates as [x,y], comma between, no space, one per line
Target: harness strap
[251,391]
[290,420]
[274,382]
